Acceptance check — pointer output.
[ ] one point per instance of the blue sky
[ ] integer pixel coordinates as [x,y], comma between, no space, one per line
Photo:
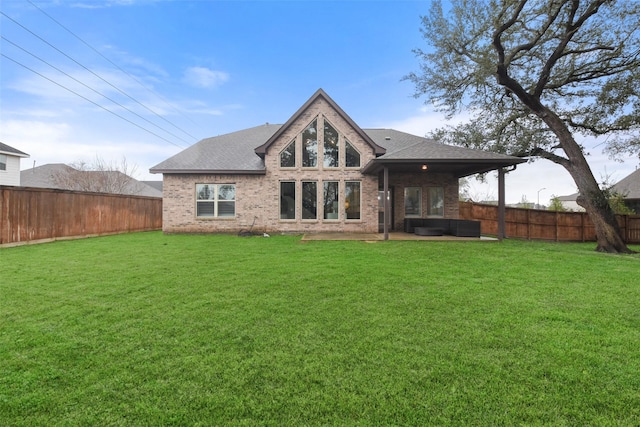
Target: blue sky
[175,72]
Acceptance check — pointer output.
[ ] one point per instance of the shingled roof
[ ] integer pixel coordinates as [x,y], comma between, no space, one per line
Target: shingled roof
[408,152]
[243,152]
[229,153]
[629,186]
[6,149]
[236,153]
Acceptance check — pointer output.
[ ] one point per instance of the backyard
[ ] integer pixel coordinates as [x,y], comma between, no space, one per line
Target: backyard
[154,329]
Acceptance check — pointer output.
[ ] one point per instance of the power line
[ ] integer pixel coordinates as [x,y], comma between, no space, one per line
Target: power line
[78,63]
[92,89]
[122,70]
[89,100]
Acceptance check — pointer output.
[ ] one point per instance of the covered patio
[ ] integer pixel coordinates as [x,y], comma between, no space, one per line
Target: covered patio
[411,155]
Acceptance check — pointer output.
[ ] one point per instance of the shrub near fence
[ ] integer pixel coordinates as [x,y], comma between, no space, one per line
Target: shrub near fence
[39,214]
[536,224]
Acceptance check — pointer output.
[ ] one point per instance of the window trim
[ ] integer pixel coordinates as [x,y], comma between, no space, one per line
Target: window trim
[4,163]
[359,201]
[215,200]
[295,201]
[413,215]
[337,200]
[326,122]
[302,145]
[346,141]
[293,142]
[429,202]
[315,201]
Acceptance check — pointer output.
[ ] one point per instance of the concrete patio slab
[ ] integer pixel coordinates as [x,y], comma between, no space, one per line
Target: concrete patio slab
[374,237]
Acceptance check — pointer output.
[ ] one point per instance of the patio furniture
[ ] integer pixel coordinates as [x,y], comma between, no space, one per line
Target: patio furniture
[454,227]
[428,231]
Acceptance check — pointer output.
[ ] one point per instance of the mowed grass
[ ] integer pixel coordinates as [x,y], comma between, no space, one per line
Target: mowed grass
[153,329]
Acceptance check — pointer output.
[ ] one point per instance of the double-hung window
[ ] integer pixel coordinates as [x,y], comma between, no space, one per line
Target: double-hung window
[215,200]
[3,162]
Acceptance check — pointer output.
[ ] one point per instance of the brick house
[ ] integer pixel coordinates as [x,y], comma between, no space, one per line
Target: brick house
[318,172]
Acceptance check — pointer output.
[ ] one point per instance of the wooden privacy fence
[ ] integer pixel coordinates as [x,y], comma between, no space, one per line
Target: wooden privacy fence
[39,214]
[536,224]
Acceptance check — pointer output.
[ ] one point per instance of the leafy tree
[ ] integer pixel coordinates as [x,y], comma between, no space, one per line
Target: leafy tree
[534,75]
[556,205]
[616,201]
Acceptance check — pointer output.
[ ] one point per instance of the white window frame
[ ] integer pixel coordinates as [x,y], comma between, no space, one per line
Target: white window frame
[215,200]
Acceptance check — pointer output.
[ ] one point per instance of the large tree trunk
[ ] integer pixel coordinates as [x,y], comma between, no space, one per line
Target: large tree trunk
[591,197]
[604,220]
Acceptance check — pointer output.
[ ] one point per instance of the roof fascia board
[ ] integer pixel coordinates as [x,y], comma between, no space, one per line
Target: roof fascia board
[375,165]
[210,172]
[262,150]
[14,153]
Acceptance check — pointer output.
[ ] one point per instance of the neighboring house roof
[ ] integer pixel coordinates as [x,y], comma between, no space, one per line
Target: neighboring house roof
[154,184]
[44,177]
[570,198]
[6,149]
[629,187]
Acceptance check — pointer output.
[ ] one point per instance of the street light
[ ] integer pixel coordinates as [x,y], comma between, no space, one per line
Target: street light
[538,204]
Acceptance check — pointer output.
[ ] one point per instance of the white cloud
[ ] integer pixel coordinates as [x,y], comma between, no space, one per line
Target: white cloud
[204,77]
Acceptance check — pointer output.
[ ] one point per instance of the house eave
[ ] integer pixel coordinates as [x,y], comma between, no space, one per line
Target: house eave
[208,171]
[458,167]
[14,154]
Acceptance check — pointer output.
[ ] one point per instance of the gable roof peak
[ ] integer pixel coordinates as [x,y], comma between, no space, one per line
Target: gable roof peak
[320,93]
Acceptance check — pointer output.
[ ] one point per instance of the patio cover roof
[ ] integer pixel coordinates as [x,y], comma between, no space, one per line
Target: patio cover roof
[408,153]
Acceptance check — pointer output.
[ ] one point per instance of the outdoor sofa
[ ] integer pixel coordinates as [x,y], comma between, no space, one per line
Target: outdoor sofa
[439,226]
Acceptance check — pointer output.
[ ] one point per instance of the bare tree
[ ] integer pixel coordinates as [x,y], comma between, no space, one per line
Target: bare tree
[99,177]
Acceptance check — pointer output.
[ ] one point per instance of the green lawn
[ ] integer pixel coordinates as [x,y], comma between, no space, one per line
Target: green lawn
[148,329]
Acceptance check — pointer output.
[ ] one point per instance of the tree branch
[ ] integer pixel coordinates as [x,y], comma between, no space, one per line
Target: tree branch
[545,154]
[559,51]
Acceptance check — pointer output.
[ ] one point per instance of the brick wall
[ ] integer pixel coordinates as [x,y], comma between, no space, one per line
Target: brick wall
[257,196]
